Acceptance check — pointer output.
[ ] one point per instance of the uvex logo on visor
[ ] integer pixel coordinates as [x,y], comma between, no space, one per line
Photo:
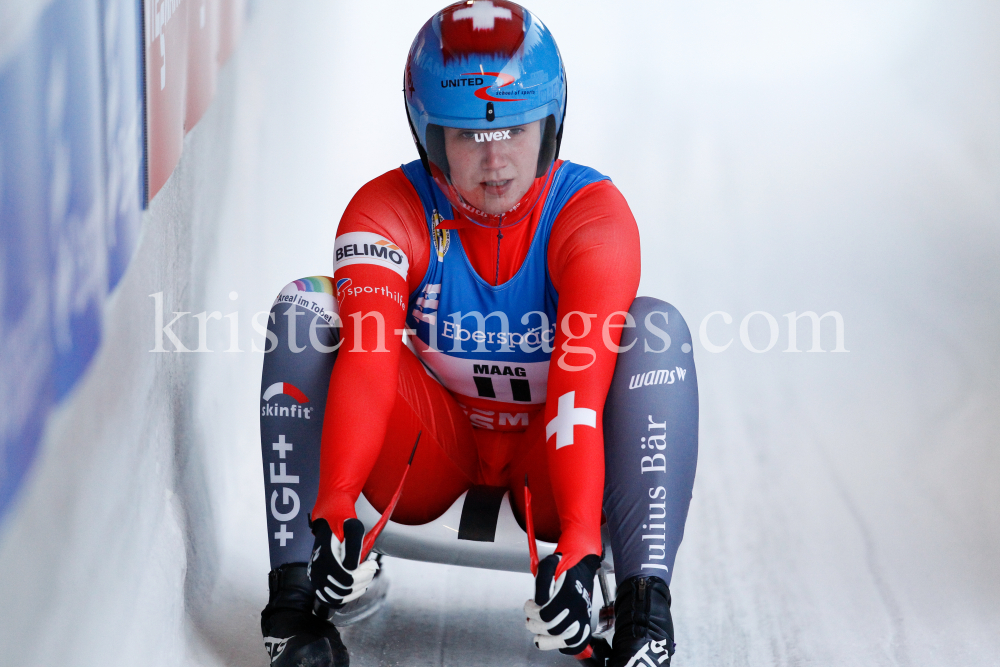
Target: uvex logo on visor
[491,136]
[505,80]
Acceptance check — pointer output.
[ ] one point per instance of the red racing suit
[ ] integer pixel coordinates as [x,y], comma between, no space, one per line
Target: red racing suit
[380,395]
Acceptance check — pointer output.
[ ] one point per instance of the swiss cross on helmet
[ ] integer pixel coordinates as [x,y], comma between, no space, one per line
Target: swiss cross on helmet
[483,65]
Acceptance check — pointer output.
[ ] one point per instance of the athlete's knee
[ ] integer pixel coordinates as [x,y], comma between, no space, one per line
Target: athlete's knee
[655,368]
[657,327]
[310,291]
[305,315]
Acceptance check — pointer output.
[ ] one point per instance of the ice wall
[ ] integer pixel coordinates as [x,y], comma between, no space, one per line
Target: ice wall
[779,157]
[146,499]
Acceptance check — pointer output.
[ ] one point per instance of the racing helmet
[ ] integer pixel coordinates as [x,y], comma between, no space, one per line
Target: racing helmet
[483,65]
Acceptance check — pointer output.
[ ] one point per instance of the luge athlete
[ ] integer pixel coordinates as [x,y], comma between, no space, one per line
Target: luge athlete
[513,274]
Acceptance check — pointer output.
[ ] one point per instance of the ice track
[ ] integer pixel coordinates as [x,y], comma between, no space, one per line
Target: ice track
[779,157]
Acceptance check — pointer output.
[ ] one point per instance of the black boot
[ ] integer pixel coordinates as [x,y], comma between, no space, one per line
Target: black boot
[644,631]
[293,635]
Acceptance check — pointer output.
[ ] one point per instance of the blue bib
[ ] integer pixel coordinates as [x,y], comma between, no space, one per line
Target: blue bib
[481,340]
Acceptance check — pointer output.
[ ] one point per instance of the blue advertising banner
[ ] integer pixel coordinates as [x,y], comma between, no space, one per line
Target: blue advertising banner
[70,207]
[123,112]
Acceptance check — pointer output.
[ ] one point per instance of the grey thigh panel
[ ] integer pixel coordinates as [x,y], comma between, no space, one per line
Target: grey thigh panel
[650,441]
[296,367]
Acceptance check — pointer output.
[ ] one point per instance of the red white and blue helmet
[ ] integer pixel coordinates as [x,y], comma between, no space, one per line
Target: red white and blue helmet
[483,65]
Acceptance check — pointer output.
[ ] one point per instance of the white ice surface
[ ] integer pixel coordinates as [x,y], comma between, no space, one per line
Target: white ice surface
[779,156]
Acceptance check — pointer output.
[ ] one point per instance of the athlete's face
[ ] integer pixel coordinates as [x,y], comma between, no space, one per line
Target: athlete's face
[493,175]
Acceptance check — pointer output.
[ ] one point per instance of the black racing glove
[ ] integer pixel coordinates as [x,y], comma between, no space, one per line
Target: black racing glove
[559,616]
[334,571]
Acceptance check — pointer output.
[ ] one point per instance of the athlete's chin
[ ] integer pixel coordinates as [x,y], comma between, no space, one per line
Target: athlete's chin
[494,197]
[490,205]
[497,200]
[497,207]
